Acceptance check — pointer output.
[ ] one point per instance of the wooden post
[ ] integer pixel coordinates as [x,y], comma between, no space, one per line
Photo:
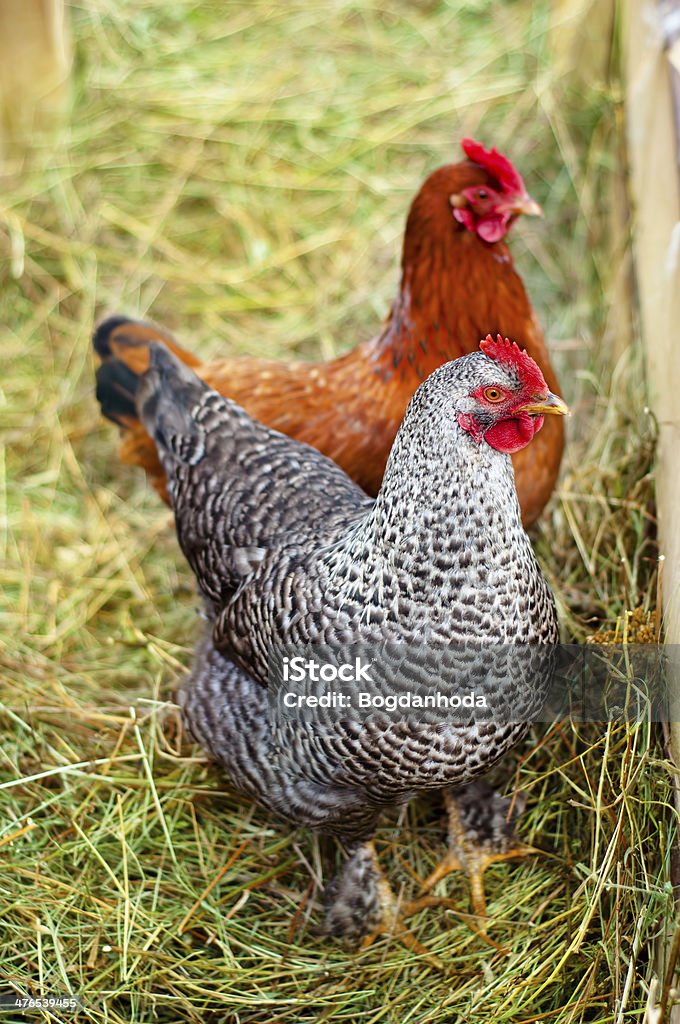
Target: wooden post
[652,80]
[35,61]
[580,37]
[655,184]
[583,53]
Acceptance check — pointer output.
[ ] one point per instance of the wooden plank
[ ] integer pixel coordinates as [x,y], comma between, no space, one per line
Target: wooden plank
[584,56]
[655,185]
[581,38]
[35,61]
[652,80]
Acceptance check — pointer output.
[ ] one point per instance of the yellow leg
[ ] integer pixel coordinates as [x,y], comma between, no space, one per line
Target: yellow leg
[469,853]
[362,906]
[393,913]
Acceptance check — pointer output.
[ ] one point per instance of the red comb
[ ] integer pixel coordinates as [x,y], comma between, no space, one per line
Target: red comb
[496,164]
[508,353]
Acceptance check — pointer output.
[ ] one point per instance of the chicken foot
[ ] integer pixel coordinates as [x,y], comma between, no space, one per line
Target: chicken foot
[479,834]
[362,906]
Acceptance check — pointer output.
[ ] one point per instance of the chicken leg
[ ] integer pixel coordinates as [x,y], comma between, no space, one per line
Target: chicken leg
[479,835]
[361,905]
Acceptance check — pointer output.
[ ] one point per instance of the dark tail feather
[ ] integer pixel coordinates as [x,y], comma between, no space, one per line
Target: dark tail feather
[120,337]
[116,392]
[166,395]
[123,345]
[103,333]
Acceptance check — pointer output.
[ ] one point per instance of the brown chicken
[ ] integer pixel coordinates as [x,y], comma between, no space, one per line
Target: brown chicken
[458,284]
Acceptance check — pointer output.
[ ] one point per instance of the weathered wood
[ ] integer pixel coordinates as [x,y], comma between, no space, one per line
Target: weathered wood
[584,56]
[35,60]
[655,183]
[652,65]
[581,38]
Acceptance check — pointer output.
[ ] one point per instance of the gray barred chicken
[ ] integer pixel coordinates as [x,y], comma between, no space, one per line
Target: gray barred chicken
[288,551]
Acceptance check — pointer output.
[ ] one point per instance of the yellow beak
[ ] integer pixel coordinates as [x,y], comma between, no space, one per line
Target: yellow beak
[550,406]
[528,206]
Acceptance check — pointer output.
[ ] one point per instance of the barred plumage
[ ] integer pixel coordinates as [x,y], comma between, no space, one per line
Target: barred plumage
[287,550]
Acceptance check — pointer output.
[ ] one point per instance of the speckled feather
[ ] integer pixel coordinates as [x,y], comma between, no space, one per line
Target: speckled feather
[287,550]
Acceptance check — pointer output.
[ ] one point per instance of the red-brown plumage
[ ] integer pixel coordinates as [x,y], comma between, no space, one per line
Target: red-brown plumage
[455,289]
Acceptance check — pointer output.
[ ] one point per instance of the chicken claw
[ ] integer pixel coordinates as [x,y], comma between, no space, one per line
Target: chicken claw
[362,906]
[479,834]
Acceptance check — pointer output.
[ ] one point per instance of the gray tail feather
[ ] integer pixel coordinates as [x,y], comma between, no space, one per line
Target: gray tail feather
[166,395]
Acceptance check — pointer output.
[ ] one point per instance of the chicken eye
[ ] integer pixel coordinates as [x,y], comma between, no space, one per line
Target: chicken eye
[482,193]
[493,395]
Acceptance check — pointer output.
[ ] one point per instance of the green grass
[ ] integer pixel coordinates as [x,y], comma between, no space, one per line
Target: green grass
[241,173]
